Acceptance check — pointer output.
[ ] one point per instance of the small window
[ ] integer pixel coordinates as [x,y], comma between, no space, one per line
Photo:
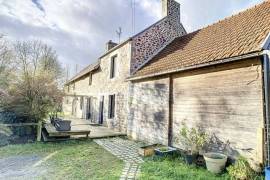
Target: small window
[113,67]
[81,103]
[67,102]
[111,107]
[90,79]
[73,86]
[68,88]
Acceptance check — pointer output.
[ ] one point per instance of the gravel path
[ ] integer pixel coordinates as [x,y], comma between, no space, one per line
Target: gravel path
[21,167]
[125,150]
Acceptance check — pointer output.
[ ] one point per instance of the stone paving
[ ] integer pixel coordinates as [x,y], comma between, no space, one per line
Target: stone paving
[125,150]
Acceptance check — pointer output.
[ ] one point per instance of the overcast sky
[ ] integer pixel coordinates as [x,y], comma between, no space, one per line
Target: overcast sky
[79,29]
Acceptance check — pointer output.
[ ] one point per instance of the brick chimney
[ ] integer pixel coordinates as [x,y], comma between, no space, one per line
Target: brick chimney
[110,45]
[170,8]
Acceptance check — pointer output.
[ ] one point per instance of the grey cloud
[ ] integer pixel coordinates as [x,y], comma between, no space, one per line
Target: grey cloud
[96,22]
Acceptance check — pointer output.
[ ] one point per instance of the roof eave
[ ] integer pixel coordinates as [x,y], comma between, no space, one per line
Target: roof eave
[221,61]
[266,42]
[74,79]
[116,47]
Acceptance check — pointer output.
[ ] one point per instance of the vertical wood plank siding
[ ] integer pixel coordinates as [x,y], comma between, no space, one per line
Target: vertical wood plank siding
[225,100]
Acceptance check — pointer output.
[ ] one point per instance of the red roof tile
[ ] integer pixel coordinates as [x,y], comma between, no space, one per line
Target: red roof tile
[238,35]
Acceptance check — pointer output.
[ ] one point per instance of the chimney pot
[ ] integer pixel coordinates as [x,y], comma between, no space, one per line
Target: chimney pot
[110,44]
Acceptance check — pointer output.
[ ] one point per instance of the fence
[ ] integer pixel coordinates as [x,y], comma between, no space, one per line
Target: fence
[19,132]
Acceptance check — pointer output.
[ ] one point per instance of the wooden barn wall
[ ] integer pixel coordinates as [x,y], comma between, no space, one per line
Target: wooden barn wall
[227,102]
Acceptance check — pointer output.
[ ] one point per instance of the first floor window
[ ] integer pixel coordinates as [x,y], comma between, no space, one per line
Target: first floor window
[111,107]
[90,79]
[113,67]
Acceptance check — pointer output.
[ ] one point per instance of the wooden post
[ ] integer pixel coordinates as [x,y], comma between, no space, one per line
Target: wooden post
[39,127]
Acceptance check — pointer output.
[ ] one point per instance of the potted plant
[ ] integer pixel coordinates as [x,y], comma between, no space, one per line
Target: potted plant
[215,162]
[242,170]
[193,140]
[148,150]
[165,151]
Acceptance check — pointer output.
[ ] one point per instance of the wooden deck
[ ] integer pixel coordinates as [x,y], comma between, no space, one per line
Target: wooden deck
[52,132]
[79,129]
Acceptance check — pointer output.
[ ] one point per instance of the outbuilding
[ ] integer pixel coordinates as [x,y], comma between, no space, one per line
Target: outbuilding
[216,78]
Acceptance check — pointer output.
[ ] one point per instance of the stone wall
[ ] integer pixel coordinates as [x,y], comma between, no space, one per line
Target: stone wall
[102,85]
[225,100]
[147,43]
[148,111]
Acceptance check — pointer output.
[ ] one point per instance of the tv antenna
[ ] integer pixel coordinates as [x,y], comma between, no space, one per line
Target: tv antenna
[133,19]
[119,33]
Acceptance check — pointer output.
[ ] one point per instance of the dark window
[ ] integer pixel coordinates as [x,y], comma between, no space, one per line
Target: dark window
[113,65]
[68,88]
[73,86]
[111,107]
[81,103]
[90,79]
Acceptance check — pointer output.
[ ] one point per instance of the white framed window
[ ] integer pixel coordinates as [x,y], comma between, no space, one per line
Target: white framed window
[113,67]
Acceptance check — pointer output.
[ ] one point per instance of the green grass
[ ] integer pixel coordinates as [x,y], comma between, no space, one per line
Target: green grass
[174,168]
[157,168]
[74,160]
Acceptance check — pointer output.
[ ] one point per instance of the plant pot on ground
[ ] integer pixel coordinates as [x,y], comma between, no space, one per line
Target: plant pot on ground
[215,162]
[190,158]
[148,150]
[165,151]
[193,140]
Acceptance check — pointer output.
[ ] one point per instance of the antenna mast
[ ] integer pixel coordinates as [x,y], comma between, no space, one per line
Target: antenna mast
[119,33]
[133,6]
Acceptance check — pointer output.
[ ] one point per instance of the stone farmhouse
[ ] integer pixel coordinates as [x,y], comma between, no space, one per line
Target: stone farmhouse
[216,78]
[100,91]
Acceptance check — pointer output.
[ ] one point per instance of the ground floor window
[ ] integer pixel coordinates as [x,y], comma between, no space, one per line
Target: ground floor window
[111,107]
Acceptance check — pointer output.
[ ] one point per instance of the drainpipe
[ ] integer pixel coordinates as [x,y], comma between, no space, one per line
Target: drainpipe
[266,79]
[170,119]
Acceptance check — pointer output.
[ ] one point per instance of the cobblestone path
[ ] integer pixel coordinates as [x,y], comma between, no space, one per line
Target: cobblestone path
[125,150]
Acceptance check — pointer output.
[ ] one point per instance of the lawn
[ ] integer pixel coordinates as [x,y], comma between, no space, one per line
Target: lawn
[73,160]
[156,168]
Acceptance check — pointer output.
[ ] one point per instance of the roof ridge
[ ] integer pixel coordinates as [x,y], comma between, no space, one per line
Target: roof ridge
[234,15]
[240,34]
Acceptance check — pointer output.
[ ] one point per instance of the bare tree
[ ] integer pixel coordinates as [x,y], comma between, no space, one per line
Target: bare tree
[6,65]
[35,90]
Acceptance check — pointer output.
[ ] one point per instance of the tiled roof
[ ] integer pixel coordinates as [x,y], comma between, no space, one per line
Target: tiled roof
[238,35]
[85,71]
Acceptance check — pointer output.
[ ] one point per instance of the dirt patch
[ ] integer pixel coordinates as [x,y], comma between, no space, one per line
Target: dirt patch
[21,167]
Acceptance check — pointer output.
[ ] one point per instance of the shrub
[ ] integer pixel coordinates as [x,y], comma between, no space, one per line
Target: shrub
[193,139]
[241,170]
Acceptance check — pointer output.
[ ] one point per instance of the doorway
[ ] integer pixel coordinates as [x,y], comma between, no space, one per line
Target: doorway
[74,107]
[88,108]
[101,106]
